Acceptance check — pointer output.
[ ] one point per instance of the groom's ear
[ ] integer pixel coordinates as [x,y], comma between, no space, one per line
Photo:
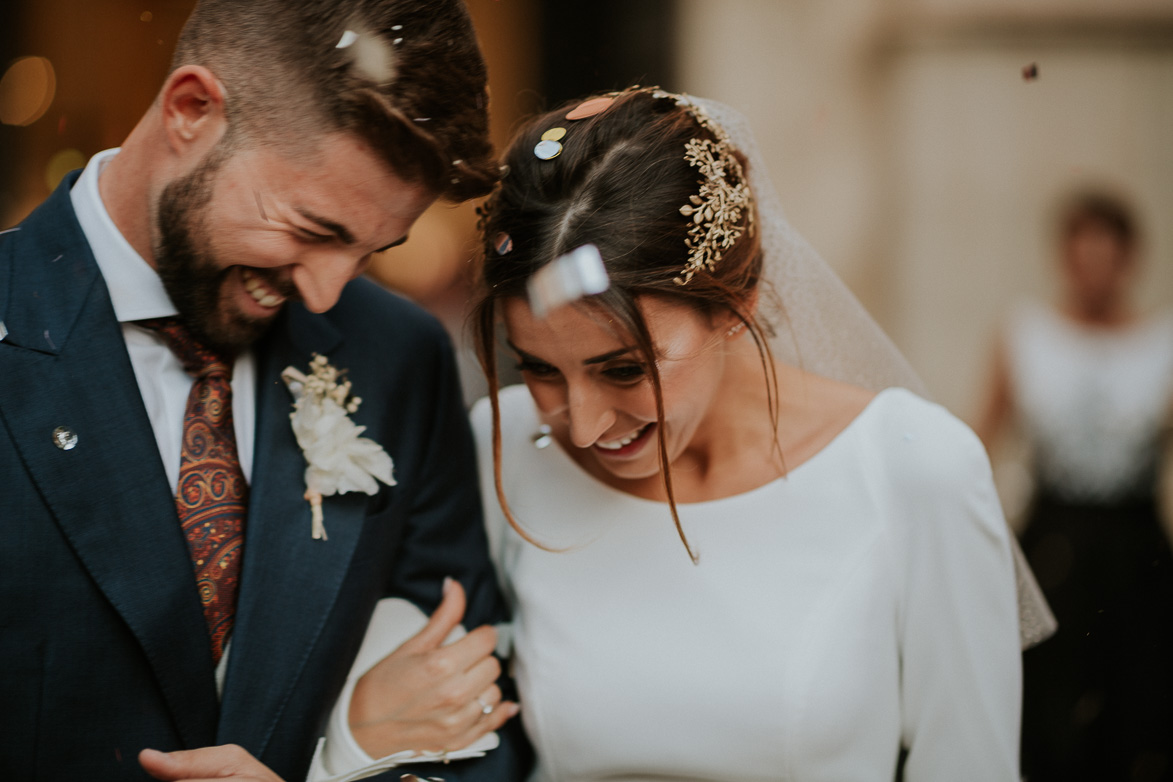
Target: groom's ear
[192,105]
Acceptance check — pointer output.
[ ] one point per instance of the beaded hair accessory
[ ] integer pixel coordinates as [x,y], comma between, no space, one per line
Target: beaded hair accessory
[719,205]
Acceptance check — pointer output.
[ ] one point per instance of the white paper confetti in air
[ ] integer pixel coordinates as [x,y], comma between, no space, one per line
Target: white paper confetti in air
[567,278]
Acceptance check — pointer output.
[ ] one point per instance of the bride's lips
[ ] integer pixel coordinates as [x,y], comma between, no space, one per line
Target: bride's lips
[625,446]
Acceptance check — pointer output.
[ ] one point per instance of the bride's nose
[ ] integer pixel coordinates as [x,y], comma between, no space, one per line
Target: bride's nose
[590,414]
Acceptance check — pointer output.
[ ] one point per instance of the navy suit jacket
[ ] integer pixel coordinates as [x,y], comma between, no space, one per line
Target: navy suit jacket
[103,646]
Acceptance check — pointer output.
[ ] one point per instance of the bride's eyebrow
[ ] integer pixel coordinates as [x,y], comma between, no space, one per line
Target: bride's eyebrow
[608,356]
[593,360]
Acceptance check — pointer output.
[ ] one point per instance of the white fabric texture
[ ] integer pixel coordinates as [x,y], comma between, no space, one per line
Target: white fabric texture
[864,601]
[1093,402]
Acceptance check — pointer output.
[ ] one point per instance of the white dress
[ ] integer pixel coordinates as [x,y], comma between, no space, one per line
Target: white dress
[863,602]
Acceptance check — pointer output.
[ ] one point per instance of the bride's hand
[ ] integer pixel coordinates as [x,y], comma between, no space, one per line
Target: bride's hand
[427,696]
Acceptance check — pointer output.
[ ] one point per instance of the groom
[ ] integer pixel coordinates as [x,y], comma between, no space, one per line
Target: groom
[160,586]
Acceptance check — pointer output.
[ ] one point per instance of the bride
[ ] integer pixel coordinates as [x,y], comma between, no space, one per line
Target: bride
[737,546]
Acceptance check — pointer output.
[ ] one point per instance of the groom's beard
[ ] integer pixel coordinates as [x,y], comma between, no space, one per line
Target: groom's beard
[192,275]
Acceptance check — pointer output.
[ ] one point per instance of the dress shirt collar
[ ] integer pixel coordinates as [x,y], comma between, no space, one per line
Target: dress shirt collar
[135,288]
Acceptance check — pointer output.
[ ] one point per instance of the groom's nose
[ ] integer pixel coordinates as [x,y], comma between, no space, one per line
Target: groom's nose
[320,279]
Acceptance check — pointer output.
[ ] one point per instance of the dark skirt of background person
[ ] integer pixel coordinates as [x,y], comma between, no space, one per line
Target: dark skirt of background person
[1098,695]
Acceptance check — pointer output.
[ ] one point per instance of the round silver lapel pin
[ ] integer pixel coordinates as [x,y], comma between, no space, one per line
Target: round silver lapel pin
[65,438]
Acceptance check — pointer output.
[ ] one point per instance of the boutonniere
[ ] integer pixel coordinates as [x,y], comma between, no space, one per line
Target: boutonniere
[337,459]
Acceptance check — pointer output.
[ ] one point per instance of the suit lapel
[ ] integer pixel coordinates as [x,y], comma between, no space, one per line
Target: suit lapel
[64,364]
[289,582]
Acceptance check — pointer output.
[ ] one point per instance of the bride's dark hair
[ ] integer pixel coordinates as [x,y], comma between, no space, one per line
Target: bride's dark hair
[618,184]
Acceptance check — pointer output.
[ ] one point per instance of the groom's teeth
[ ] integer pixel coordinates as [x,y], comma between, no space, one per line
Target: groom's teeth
[261,293]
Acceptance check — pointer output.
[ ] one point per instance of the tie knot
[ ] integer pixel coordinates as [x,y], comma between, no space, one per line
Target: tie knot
[197,358]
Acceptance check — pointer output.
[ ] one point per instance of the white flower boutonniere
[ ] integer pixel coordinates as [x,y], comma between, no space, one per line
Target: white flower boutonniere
[337,459]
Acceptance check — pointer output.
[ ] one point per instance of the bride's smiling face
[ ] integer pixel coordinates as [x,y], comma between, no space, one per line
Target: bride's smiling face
[592,385]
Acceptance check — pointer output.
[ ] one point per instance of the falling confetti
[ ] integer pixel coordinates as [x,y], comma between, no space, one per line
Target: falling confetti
[1030,72]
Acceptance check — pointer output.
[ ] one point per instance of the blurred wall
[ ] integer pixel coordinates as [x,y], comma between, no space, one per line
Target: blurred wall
[911,151]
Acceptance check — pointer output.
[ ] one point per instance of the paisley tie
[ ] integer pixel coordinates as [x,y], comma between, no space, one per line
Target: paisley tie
[212,496]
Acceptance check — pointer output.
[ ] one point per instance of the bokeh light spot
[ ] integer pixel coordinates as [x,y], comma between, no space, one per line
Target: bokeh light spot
[61,164]
[146,16]
[27,90]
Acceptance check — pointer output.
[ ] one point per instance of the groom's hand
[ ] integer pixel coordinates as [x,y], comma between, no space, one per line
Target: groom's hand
[428,696]
[206,764]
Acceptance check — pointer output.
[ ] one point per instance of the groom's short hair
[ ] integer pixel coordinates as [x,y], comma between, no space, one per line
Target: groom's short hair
[406,76]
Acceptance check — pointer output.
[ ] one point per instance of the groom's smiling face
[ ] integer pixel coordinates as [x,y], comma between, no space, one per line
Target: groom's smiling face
[250,228]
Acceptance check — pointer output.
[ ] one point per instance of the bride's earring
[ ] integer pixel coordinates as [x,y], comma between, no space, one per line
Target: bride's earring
[734,330]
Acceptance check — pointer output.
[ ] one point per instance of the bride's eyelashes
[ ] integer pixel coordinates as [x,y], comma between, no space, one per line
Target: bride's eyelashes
[537,369]
[625,373]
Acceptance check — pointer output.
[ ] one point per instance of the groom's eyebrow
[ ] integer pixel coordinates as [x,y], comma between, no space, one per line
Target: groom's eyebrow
[338,229]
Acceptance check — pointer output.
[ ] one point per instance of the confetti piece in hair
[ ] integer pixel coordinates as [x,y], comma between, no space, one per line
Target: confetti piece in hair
[1030,72]
[547,149]
[554,134]
[566,279]
[348,37]
[590,108]
[503,244]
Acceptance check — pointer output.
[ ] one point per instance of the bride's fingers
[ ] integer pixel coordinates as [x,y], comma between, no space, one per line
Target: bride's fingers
[479,677]
[446,616]
[489,700]
[487,723]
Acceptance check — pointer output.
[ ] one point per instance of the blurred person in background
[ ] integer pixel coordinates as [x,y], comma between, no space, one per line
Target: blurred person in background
[1090,383]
